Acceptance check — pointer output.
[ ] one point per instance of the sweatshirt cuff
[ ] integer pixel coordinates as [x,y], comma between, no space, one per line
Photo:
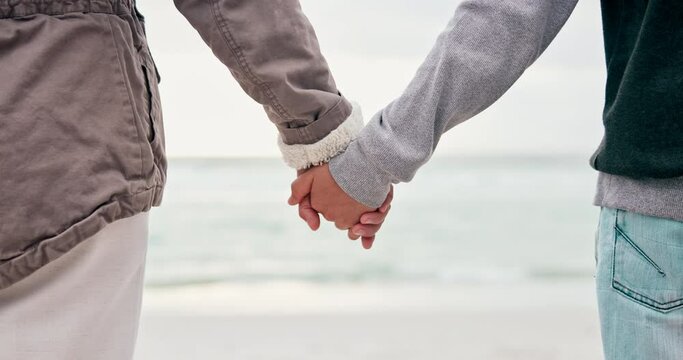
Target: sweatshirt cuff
[359,177]
[304,156]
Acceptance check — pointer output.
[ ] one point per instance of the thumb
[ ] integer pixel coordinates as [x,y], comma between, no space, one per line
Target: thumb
[308,214]
[301,187]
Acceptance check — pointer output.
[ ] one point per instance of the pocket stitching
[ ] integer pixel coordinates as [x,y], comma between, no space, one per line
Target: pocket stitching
[640,251]
[632,294]
[645,300]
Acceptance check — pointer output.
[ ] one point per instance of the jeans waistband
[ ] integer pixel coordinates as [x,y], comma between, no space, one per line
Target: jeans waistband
[20,8]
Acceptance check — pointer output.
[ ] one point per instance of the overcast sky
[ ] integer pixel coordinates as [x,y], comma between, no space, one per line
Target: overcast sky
[374,48]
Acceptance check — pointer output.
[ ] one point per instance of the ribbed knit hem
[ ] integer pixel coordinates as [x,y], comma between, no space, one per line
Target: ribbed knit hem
[653,197]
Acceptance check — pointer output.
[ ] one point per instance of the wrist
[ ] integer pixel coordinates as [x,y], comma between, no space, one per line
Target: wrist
[359,177]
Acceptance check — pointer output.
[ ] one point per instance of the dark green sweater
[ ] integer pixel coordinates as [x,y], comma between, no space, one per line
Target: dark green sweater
[643,113]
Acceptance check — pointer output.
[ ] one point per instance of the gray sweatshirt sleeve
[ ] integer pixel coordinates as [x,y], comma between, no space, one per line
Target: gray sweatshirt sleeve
[485,48]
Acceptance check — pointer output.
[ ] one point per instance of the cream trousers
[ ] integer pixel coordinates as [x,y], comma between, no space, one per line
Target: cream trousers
[84,305]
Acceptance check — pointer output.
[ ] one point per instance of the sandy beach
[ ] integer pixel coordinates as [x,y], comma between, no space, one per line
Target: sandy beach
[515,320]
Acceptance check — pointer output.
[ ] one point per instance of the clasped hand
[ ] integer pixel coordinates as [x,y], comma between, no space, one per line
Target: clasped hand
[317,193]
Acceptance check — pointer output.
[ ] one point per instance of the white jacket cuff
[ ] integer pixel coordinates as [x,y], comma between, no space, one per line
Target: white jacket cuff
[304,156]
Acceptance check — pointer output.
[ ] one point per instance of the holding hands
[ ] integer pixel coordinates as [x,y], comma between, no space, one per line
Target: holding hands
[316,192]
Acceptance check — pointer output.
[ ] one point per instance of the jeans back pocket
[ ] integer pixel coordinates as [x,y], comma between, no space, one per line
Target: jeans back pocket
[648,261]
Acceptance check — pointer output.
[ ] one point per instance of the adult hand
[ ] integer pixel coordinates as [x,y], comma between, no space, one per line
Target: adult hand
[371,223]
[327,198]
[306,211]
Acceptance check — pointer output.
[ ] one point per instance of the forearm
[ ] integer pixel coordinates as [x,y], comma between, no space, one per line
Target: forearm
[271,49]
[483,51]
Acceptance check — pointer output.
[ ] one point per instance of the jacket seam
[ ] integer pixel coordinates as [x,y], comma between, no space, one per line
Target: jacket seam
[230,41]
[128,98]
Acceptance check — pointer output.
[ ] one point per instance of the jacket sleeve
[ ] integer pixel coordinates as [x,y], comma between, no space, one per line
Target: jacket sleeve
[270,47]
[486,47]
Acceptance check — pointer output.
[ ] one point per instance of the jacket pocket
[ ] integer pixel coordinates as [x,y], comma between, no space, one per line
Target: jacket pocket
[149,101]
[153,119]
[648,270]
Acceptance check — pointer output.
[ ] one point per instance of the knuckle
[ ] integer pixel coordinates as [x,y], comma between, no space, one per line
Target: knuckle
[343,225]
[372,219]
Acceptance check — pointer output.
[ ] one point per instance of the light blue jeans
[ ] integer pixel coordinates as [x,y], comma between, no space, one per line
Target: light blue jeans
[640,286]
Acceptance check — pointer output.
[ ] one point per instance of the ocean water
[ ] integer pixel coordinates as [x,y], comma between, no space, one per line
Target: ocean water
[462,220]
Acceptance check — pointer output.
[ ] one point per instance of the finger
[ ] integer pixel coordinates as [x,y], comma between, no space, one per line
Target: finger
[301,187]
[309,214]
[353,236]
[387,202]
[341,225]
[374,218]
[368,242]
[365,230]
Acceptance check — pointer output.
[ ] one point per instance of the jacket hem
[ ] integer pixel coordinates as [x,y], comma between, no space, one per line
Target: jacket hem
[43,252]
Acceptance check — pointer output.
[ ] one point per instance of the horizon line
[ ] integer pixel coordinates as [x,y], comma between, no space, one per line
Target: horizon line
[435,157]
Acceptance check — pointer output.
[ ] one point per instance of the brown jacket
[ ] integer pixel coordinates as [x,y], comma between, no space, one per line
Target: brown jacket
[81,131]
